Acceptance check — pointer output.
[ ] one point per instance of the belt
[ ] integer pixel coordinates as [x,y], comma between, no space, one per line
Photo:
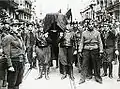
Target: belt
[91,44]
[89,47]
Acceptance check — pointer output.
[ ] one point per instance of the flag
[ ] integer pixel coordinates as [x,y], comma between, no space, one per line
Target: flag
[59,11]
[69,14]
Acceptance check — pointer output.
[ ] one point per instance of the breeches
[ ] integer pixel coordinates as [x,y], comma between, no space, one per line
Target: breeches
[43,55]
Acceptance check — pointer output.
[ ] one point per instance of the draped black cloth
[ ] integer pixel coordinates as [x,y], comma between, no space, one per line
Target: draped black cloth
[58,20]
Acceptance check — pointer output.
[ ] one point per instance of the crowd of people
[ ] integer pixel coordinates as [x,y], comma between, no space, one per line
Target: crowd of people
[89,46]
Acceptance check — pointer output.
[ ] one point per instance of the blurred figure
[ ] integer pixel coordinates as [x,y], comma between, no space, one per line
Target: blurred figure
[117,48]
[109,43]
[30,43]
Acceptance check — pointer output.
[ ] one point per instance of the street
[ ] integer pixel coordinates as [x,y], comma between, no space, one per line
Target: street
[55,81]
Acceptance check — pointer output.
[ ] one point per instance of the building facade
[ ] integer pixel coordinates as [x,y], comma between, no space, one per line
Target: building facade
[111,7]
[9,6]
[24,10]
[18,9]
[98,8]
[89,11]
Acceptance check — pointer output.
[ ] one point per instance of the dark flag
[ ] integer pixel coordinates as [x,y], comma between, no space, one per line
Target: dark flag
[69,14]
[59,11]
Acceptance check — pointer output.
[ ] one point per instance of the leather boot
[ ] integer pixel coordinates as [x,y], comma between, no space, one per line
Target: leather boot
[40,72]
[71,73]
[98,79]
[46,73]
[110,70]
[64,73]
[105,69]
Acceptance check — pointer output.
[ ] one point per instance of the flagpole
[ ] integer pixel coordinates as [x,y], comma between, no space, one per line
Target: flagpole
[67,7]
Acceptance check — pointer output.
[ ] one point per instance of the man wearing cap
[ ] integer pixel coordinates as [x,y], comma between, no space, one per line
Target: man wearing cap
[13,48]
[66,52]
[43,52]
[117,48]
[90,47]
[3,58]
[30,43]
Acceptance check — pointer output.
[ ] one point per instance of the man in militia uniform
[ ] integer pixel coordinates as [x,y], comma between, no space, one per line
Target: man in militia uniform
[117,47]
[13,49]
[43,53]
[109,43]
[66,52]
[90,47]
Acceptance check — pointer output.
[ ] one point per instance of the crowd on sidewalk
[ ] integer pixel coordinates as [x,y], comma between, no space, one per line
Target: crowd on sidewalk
[90,46]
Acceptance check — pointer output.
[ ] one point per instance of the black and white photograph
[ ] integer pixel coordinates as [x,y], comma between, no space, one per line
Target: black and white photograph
[59,44]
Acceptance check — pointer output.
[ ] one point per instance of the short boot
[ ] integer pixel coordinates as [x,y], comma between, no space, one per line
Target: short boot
[71,73]
[104,69]
[110,70]
[98,79]
[64,73]
[40,72]
[82,79]
[46,73]
[4,83]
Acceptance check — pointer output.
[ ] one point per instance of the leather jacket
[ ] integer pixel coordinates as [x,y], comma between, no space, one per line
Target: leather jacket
[68,39]
[41,40]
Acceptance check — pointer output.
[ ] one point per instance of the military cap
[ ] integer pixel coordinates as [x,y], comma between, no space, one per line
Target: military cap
[16,22]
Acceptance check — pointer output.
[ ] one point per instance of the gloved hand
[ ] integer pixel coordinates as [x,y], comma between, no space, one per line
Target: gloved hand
[117,52]
[101,55]
[46,34]
[80,54]
[75,52]
[11,69]
[61,34]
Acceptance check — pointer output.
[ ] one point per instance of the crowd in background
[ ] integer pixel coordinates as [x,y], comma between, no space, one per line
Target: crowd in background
[91,45]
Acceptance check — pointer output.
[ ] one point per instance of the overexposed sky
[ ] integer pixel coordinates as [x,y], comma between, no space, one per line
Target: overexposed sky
[53,6]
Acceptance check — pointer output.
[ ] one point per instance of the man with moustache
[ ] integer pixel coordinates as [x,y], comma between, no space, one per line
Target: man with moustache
[90,48]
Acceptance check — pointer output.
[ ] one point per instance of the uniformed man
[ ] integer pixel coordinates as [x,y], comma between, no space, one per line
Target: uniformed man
[66,52]
[90,47]
[117,47]
[43,53]
[13,48]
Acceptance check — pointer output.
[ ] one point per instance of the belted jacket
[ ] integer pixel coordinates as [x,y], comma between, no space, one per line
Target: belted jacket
[91,40]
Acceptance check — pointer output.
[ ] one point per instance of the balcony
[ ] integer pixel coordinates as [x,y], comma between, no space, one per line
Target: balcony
[9,3]
[97,8]
[29,1]
[13,3]
[22,8]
